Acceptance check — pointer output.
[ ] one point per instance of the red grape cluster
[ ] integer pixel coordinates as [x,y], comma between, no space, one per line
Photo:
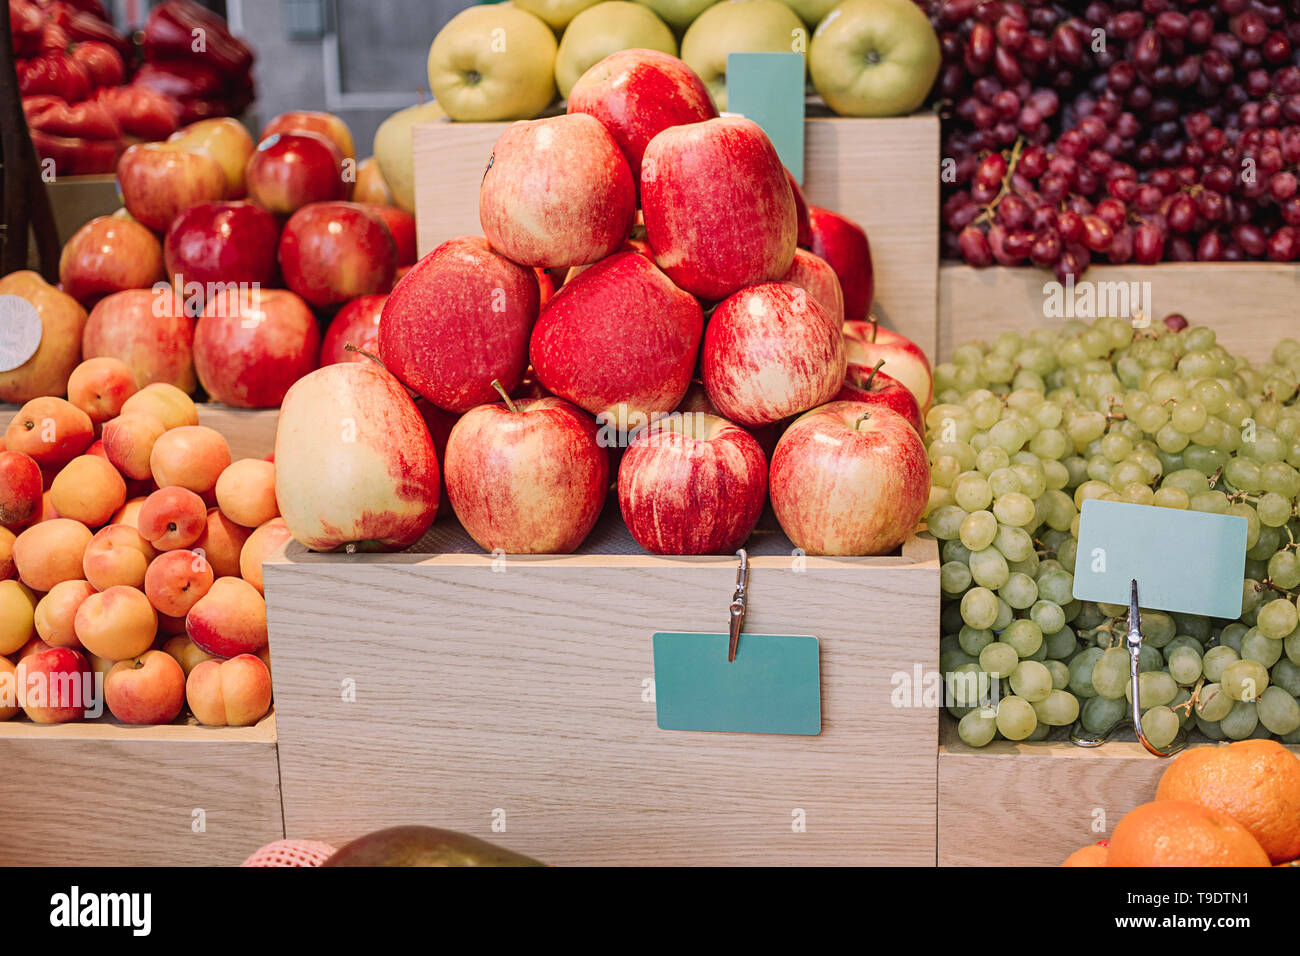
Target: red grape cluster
[1129,131]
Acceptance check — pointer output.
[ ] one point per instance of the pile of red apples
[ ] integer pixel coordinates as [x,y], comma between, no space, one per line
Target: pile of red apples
[131,550]
[652,306]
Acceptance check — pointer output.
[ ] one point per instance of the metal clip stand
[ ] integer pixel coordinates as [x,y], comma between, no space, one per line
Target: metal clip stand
[736,610]
[1133,642]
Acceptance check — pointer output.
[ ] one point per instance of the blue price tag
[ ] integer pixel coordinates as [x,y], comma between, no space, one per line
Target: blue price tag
[1187,561]
[772,687]
[768,88]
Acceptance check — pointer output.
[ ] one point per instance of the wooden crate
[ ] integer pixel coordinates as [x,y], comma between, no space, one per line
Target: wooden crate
[430,688]
[879,172]
[101,793]
[1250,305]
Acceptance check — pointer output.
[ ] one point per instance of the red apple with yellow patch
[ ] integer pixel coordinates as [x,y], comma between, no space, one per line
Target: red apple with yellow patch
[250,345]
[868,342]
[873,386]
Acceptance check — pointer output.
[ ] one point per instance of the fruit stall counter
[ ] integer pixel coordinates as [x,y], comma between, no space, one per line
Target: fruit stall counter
[515,694]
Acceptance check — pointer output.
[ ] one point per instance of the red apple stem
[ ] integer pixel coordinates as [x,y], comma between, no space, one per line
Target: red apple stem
[360,351]
[875,328]
[857,426]
[866,386]
[496,383]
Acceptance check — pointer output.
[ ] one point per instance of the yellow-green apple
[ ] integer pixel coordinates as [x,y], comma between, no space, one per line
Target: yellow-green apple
[20,489]
[393,150]
[527,477]
[867,383]
[331,252]
[771,351]
[636,94]
[370,186]
[458,321]
[108,255]
[61,319]
[289,170]
[739,26]
[606,28]
[229,620]
[868,342]
[160,180]
[149,689]
[557,14]
[874,57]
[811,12]
[149,330]
[678,14]
[355,467]
[250,345]
[815,276]
[54,686]
[401,224]
[100,386]
[557,192]
[357,324]
[849,478]
[223,139]
[843,243]
[620,341]
[314,121]
[692,483]
[718,208]
[493,62]
[222,242]
[51,430]
[233,693]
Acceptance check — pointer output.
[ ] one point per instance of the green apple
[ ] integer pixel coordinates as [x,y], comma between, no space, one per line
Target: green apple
[874,58]
[392,150]
[604,29]
[811,11]
[739,26]
[493,62]
[678,14]
[556,13]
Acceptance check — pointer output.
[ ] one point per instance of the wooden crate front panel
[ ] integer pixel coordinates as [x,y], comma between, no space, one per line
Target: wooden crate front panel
[103,794]
[1251,306]
[478,692]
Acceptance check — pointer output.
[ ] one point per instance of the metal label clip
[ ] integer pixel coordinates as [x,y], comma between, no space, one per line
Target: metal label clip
[737,608]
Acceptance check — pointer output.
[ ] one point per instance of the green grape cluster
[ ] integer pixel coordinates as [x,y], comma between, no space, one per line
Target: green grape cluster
[1026,429]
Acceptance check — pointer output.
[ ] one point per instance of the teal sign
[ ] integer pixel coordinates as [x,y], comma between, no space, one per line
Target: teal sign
[768,88]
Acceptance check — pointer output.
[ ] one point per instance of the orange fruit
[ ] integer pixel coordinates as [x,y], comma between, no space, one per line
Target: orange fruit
[1094,854]
[1256,782]
[1178,833]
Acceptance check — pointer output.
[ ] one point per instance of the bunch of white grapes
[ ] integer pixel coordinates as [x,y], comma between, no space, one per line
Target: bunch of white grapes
[1022,432]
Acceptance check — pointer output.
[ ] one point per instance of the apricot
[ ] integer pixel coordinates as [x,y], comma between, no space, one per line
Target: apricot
[56,613]
[172,518]
[50,552]
[8,689]
[246,492]
[221,542]
[48,511]
[117,554]
[165,402]
[169,626]
[149,689]
[21,485]
[116,624]
[89,490]
[17,615]
[129,440]
[99,386]
[192,456]
[264,541]
[129,513]
[7,568]
[229,620]
[33,646]
[233,693]
[51,430]
[53,685]
[176,581]
[188,654]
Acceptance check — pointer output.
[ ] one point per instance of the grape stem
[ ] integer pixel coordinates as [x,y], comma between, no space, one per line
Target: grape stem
[1187,705]
[1012,161]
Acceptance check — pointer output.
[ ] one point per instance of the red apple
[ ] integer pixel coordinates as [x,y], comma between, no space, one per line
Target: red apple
[357,323]
[107,255]
[869,342]
[719,212]
[804,235]
[251,345]
[20,489]
[313,121]
[527,477]
[54,686]
[692,483]
[440,423]
[149,689]
[289,170]
[619,340]
[334,251]
[771,351]
[815,276]
[149,330]
[222,242]
[458,321]
[843,243]
[849,478]
[871,385]
[637,94]
[355,467]
[557,192]
[401,224]
[158,181]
